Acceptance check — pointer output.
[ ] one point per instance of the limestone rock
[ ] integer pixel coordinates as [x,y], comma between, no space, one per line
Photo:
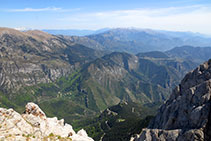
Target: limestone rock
[186,115]
[34,125]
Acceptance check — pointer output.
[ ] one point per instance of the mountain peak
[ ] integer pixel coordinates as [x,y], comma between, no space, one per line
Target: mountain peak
[39,34]
[4,30]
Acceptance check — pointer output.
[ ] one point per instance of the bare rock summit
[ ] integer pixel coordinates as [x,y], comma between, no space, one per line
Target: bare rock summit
[33,125]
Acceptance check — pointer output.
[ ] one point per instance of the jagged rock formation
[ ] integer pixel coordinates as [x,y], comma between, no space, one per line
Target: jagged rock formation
[187,113]
[34,125]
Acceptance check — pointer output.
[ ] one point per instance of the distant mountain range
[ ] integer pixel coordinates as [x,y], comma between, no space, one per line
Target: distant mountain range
[74,32]
[196,54]
[134,40]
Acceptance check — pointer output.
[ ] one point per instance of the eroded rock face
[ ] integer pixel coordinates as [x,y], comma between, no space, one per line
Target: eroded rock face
[34,125]
[187,113]
[34,57]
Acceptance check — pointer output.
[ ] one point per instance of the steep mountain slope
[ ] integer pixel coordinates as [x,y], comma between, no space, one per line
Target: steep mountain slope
[196,54]
[186,114]
[33,57]
[140,40]
[121,76]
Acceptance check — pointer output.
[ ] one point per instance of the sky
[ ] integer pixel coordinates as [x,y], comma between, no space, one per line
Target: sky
[173,15]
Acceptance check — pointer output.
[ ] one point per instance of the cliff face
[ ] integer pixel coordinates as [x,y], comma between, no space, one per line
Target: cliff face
[187,113]
[34,125]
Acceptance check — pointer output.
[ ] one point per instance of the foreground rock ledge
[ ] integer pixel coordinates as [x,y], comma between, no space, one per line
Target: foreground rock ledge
[33,125]
[186,115]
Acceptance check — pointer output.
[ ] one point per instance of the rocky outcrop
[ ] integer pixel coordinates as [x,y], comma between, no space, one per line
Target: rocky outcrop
[34,125]
[186,115]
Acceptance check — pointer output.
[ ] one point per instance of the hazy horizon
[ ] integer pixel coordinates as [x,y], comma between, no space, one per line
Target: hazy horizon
[94,30]
[182,15]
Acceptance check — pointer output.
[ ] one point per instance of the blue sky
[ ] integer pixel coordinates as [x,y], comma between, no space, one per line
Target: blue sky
[176,15]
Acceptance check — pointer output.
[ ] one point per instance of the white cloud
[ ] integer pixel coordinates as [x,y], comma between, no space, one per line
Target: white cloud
[34,9]
[194,18]
[22,28]
[47,9]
